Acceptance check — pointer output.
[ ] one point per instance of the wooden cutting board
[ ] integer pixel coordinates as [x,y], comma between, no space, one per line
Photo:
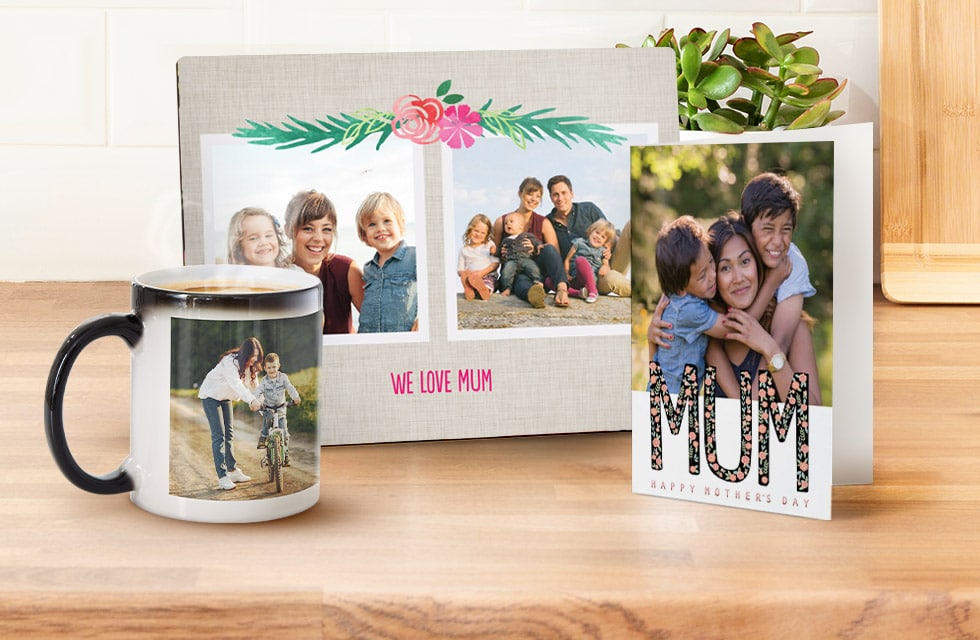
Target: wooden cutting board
[930,150]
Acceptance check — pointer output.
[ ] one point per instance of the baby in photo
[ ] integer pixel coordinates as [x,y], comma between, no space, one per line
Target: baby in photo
[517,249]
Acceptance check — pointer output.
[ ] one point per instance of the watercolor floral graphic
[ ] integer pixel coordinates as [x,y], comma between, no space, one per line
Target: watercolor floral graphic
[444,119]
[460,127]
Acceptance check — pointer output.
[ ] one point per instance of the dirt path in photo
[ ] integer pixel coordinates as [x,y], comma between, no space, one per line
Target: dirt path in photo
[192,473]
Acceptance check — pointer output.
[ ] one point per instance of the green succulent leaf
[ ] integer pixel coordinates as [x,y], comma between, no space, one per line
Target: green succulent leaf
[797,89]
[788,38]
[695,35]
[788,113]
[768,41]
[721,83]
[801,102]
[649,41]
[804,69]
[707,68]
[836,92]
[731,114]
[708,121]
[822,87]
[704,43]
[745,106]
[762,75]
[732,61]
[697,99]
[806,55]
[690,62]
[812,117]
[833,115]
[718,45]
[667,39]
[749,51]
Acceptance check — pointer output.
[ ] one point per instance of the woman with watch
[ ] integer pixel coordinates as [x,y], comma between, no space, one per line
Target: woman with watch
[749,345]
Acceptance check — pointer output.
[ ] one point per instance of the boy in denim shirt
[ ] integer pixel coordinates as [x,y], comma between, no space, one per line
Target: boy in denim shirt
[390,280]
[686,272]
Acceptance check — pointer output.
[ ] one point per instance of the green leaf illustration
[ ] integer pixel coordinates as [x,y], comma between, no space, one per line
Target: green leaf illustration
[350,129]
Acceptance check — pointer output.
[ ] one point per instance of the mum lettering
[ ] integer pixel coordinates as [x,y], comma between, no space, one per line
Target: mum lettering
[770,418]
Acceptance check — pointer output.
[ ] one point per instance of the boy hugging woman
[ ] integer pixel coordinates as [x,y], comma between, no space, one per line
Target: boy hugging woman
[733,296]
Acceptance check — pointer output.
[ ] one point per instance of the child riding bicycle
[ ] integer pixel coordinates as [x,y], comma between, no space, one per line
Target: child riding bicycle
[272,392]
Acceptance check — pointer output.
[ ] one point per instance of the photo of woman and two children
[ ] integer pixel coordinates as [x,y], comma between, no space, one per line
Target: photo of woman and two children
[384,292]
[734,265]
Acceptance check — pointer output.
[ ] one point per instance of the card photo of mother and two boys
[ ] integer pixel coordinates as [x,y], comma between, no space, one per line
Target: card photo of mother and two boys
[732,296]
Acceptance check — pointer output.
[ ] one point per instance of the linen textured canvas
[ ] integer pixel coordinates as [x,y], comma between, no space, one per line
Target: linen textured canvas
[447,139]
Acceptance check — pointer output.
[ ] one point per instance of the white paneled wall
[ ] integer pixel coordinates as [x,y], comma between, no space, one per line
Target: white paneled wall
[89,171]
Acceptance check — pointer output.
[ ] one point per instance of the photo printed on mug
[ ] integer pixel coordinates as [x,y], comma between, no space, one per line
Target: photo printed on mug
[243,407]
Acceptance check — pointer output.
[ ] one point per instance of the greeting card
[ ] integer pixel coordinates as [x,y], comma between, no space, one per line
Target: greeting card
[752,363]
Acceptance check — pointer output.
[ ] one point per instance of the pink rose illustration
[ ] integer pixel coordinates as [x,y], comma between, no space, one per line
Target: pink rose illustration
[460,126]
[417,119]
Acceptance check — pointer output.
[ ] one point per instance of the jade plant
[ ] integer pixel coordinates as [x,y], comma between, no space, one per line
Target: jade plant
[727,84]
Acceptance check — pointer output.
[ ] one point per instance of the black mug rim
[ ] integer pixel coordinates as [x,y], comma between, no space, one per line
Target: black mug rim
[151,288]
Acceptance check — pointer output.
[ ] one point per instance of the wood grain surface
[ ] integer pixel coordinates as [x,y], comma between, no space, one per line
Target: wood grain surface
[528,537]
[930,150]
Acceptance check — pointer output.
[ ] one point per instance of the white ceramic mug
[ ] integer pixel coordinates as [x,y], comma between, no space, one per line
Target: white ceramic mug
[202,391]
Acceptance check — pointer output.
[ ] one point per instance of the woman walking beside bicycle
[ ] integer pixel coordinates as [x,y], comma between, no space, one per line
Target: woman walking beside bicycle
[235,377]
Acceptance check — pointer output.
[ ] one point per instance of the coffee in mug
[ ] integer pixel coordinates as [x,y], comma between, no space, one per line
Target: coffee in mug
[225,366]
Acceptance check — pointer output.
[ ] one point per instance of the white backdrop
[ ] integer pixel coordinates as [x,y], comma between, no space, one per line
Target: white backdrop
[89,168]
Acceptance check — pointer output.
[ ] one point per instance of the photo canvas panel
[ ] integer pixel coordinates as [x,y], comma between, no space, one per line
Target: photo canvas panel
[256,130]
[732,454]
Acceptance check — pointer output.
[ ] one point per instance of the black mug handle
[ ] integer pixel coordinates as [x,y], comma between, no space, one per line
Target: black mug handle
[129,328]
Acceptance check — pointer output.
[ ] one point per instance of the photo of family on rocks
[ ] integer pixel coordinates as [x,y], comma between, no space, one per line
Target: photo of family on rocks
[540,236]
[571,256]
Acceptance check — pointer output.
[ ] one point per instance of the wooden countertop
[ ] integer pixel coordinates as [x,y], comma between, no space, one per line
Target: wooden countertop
[517,537]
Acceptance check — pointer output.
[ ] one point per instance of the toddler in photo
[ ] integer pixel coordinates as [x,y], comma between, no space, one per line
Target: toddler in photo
[255,237]
[477,266]
[588,259]
[687,275]
[390,278]
[517,249]
[272,392]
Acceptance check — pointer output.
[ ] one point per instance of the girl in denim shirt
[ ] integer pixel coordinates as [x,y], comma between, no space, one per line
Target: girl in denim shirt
[390,281]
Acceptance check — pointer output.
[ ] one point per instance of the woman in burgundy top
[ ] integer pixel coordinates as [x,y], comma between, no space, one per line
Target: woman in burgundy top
[545,255]
[311,223]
